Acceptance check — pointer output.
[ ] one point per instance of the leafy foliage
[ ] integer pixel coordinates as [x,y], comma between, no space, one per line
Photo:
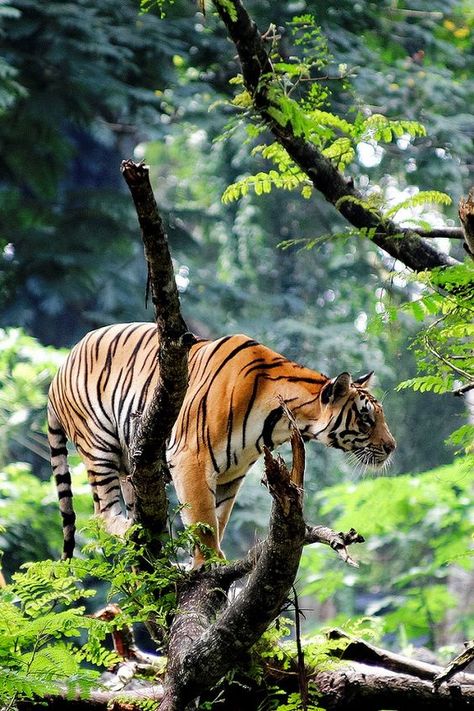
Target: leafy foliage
[421,198]
[26,369]
[37,656]
[444,348]
[142,594]
[90,73]
[42,613]
[420,527]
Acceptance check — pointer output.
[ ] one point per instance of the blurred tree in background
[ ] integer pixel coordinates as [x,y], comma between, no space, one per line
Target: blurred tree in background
[84,85]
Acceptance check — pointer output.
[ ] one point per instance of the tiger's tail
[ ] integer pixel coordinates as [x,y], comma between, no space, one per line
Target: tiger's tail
[57,443]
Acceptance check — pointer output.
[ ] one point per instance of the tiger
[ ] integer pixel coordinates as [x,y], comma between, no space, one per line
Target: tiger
[234,406]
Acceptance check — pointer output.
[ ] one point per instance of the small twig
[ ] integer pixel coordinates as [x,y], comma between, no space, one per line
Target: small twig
[456,665]
[302,676]
[437,232]
[459,392]
[337,541]
[361,651]
[459,371]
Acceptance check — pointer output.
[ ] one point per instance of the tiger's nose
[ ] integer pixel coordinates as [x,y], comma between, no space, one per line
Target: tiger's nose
[388,447]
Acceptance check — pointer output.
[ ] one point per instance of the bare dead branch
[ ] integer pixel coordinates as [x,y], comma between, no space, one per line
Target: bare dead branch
[360,686]
[297,448]
[438,232]
[337,541]
[359,650]
[465,389]
[457,665]
[153,427]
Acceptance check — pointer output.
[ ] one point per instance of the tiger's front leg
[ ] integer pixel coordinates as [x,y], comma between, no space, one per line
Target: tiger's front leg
[197,494]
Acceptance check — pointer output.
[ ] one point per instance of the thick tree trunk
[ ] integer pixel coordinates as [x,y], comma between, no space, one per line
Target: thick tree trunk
[204,645]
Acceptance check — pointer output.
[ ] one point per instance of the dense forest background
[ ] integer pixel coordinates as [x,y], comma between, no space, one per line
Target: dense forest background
[84,85]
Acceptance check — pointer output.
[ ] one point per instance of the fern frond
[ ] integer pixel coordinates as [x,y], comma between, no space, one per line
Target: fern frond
[277,154]
[263,182]
[427,383]
[341,152]
[324,118]
[379,128]
[365,204]
[422,198]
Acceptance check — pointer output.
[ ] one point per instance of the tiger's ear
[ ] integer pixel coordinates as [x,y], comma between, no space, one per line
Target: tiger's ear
[365,380]
[336,388]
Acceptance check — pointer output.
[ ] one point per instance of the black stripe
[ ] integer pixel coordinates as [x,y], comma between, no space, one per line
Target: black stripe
[112,488]
[265,365]
[211,452]
[298,379]
[109,505]
[269,426]
[63,478]
[226,499]
[243,346]
[249,410]
[230,421]
[106,481]
[65,494]
[58,451]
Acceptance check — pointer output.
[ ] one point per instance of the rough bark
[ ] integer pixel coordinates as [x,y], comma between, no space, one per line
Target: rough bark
[202,650]
[152,428]
[344,687]
[257,71]
[373,688]
[361,651]
[457,665]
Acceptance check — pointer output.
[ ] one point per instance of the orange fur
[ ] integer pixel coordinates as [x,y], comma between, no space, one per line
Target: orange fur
[230,411]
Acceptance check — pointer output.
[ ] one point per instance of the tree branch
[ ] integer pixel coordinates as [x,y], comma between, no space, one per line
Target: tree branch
[361,651]
[457,665]
[437,232]
[153,427]
[257,70]
[202,651]
[373,688]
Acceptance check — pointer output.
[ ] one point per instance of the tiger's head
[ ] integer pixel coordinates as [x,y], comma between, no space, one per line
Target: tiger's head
[354,421]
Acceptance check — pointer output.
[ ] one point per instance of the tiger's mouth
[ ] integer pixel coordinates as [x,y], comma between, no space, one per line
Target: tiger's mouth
[371,458]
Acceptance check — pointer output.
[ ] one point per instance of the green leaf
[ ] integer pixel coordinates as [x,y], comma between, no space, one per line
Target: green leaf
[421,198]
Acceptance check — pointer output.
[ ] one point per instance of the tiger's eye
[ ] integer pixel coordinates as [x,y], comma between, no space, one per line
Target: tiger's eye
[366,422]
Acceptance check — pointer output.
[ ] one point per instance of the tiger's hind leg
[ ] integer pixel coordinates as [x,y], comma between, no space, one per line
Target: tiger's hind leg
[57,443]
[103,469]
[225,499]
